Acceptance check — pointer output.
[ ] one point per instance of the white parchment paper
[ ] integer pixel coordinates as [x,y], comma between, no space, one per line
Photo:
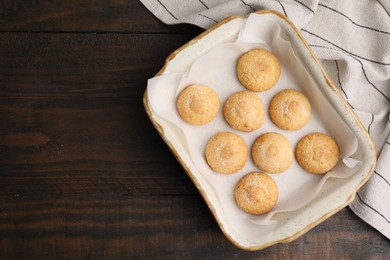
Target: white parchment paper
[217,69]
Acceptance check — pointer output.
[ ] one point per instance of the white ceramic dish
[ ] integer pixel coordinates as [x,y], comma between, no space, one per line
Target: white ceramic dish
[335,193]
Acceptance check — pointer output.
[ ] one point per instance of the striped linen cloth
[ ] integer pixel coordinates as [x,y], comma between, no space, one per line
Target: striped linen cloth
[352,40]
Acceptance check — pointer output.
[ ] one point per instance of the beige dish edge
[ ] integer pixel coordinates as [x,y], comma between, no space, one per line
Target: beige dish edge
[340,192]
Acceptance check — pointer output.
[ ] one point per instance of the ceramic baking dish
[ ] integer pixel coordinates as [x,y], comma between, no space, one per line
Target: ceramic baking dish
[335,193]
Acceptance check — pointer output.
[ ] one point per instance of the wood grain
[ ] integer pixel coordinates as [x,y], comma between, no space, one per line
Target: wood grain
[83,173]
[85,65]
[159,226]
[73,116]
[82,16]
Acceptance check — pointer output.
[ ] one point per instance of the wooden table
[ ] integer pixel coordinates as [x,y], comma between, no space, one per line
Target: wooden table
[84,175]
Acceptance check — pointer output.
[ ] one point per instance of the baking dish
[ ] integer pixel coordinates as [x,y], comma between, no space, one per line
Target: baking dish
[335,193]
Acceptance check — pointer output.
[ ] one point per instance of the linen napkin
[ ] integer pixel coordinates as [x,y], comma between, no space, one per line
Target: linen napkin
[352,40]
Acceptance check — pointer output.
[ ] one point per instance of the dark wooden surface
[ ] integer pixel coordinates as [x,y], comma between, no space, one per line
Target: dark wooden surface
[83,173]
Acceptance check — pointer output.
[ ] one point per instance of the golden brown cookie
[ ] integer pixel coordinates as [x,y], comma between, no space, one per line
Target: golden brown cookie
[226,153]
[256,193]
[289,109]
[258,69]
[244,111]
[317,153]
[198,104]
[272,152]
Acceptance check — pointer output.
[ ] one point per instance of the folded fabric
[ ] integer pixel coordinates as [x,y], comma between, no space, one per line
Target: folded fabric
[351,39]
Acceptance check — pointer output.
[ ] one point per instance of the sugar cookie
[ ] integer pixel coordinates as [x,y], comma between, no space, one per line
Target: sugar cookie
[244,111]
[317,153]
[272,152]
[226,153]
[198,104]
[256,193]
[289,109]
[258,69]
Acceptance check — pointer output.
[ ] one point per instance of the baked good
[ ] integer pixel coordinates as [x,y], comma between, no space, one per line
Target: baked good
[317,153]
[244,111]
[256,193]
[289,109]
[198,104]
[226,153]
[272,152]
[258,69]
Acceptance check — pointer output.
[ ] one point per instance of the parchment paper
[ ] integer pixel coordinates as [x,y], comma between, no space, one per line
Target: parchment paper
[217,69]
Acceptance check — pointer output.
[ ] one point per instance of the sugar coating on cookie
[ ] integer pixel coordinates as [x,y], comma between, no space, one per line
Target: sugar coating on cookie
[244,111]
[258,69]
[289,109]
[317,153]
[256,193]
[226,153]
[198,104]
[272,152]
